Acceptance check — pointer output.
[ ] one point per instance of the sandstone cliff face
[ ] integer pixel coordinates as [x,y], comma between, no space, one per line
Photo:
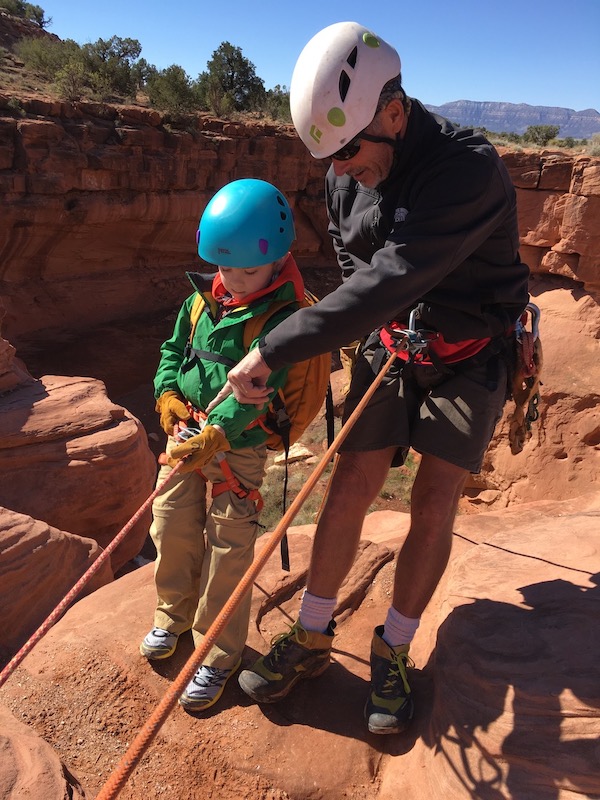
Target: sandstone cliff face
[74,468]
[559,214]
[101,205]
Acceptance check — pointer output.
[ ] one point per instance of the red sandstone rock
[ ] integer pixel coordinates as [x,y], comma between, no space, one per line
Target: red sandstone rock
[506,688]
[72,458]
[12,371]
[30,767]
[560,460]
[39,565]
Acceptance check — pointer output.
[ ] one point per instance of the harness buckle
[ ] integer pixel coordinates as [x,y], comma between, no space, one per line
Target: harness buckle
[413,340]
[183,434]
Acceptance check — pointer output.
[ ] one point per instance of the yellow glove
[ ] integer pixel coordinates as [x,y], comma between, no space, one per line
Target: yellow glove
[172,409]
[198,450]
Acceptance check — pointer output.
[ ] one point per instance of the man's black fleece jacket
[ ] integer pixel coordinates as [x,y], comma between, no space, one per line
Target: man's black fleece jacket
[440,232]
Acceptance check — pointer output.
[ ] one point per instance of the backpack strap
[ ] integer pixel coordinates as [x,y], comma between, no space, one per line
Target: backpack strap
[255,324]
[190,355]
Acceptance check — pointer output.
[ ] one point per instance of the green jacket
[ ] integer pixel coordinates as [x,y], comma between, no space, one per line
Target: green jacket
[198,380]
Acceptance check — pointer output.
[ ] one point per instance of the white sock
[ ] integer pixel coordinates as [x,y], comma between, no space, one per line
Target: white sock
[399,629]
[316,612]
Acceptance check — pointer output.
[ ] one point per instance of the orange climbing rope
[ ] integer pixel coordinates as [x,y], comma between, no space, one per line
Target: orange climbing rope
[142,741]
[85,578]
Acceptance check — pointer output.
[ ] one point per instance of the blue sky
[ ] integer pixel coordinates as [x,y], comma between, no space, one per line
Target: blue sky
[540,52]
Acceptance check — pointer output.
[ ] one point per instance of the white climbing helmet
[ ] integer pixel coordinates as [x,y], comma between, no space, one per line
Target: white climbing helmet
[336,85]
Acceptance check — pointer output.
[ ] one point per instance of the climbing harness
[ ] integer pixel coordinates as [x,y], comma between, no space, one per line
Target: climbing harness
[142,741]
[231,483]
[525,382]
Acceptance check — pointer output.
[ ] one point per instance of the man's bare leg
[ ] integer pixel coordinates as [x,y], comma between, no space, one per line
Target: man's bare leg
[424,555]
[357,480]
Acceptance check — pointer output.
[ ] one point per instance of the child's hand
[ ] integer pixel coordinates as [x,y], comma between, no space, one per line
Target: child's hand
[199,450]
[172,409]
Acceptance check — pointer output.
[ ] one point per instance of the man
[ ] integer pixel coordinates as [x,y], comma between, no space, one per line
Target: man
[423,218]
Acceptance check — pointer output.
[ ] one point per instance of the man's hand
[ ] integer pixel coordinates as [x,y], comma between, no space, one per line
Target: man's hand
[248,382]
[172,409]
[199,450]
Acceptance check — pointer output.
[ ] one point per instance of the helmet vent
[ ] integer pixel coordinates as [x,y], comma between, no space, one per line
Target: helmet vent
[344,85]
[352,57]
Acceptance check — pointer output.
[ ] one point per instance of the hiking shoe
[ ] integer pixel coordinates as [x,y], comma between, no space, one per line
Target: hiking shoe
[294,656]
[206,687]
[389,707]
[158,644]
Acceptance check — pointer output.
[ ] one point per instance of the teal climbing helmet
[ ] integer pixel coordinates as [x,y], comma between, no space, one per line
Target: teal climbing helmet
[248,223]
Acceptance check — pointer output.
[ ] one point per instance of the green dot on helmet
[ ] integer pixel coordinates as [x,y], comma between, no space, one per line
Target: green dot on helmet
[336,117]
[370,40]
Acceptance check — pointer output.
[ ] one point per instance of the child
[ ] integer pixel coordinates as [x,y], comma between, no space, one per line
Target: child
[246,230]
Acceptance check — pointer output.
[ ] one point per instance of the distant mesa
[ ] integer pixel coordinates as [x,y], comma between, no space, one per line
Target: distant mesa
[517,117]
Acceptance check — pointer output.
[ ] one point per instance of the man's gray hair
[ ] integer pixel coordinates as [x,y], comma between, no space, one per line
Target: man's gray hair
[392,90]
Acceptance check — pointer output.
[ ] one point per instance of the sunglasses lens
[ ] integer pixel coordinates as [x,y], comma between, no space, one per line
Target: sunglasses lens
[348,151]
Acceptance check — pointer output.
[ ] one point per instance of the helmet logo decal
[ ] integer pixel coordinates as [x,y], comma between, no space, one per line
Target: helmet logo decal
[315,133]
[336,117]
[263,246]
[223,251]
[370,39]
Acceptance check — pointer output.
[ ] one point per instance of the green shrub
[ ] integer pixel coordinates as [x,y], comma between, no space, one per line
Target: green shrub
[171,90]
[540,134]
[111,63]
[18,8]
[277,104]
[70,80]
[48,56]
[13,105]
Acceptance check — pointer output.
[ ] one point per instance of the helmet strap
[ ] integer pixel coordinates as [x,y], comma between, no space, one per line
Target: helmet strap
[368,137]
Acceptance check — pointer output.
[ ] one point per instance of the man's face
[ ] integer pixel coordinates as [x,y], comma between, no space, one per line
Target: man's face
[370,166]
[373,162]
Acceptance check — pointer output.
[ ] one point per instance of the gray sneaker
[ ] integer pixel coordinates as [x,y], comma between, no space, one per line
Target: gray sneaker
[206,687]
[158,644]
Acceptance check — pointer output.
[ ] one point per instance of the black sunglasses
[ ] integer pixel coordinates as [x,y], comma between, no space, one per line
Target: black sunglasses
[349,150]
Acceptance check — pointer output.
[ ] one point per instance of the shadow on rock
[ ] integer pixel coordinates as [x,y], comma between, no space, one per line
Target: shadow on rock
[516,699]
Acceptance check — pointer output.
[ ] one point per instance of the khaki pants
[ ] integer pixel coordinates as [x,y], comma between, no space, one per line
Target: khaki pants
[202,556]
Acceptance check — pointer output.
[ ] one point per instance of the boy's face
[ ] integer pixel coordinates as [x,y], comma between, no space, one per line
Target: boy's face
[242,282]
